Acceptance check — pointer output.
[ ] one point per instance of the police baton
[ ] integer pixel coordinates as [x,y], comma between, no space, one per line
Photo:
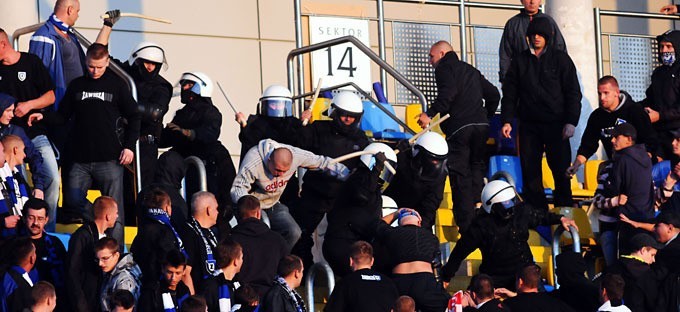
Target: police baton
[316,96]
[241,121]
[357,154]
[419,134]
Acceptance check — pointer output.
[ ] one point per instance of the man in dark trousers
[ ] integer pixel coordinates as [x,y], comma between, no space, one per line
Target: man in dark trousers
[51,254]
[541,89]
[616,107]
[15,289]
[663,97]
[513,41]
[471,100]
[528,298]
[262,247]
[364,289]
[83,276]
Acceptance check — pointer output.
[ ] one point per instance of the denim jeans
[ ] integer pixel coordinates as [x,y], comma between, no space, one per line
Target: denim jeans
[609,243]
[44,147]
[106,176]
[283,223]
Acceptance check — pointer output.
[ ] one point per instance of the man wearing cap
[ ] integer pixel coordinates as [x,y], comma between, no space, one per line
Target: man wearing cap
[541,89]
[625,188]
[667,228]
[663,97]
[641,293]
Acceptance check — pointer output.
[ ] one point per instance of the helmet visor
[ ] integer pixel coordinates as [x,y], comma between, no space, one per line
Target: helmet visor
[278,107]
[431,167]
[504,209]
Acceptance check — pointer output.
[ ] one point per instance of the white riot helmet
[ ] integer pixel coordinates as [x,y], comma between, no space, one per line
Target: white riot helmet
[203,85]
[369,159]
[347,102]
[389,206]
[429,156]
[276,101]
[149,51]
[499,197]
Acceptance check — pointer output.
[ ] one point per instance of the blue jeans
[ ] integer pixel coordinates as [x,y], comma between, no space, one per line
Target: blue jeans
[283,223]
[44,147]
[609,243]
[107,176]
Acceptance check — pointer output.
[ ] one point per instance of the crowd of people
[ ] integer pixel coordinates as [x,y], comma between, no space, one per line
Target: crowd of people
[63,108]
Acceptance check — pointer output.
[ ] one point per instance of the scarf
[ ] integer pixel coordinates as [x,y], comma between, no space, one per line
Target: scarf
[209,243]
[162,217]
[59,24]
[225,295]
[294,297]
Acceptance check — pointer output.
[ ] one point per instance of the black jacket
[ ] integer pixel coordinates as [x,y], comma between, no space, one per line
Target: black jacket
[541,89]
[503,244]
[513,41]
[152,243]
[151,297]
[204,119]
[669,256]
[50,264]
[575,290]
[641,293]
[83,276]
[601,120]
[262,250]
[409,190]
[363,290]
[537,302]
[258,127]
[463,92]
[631,174]
[170,171]
[663,94]
[15,290]
[277,299]
[324,138]
[211,292]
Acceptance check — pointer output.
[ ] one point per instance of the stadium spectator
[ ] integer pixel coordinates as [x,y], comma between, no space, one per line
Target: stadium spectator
[195,131]
[16,189]
[501,232]
[50,251]
[364,289]
[262,247]
[199,240]
[333,138]
[9,215]
[575,289]
[528,298]
[662,103]
[246,299]
[513,41]
[360,205]
[627,189]
[616,107]
[481,291]
[548,107]
[282,297]
[194,304]
[470,100]
[169,292]
[28,81]
[122,301]
[156,235]
[421,175]
[404,304]
[82,274]
[665,197]
[667,228]
[220,289]
[120,272]
[43,297]
[170,171]
[611,292]
[266,170]
[19,277]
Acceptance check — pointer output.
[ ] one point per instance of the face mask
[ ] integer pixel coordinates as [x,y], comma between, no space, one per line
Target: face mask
[187,96]
[668,58]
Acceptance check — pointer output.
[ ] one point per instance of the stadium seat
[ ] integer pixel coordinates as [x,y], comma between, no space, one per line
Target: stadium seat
[320,106]
[412,113]
[582,220]
[509,165]
[502,145]
[445,227]
[379,125]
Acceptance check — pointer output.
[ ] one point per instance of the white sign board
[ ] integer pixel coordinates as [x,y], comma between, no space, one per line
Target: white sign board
[341,63]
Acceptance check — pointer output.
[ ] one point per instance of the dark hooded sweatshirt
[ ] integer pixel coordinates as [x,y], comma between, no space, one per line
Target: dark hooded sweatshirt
[663,95]
[632,175]
[170,170]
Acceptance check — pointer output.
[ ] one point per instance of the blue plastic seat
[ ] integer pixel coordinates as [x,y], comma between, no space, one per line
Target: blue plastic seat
[508,168]
[380,124]
[63,237]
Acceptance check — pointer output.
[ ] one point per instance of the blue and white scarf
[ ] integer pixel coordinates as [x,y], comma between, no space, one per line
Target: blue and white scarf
[294,297]
[209,243]
[163,218]
[54,20]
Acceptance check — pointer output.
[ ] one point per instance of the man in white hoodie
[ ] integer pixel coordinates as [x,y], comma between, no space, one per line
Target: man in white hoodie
[264,173]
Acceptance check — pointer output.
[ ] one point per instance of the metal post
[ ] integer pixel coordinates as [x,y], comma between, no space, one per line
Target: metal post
[598,42]
[381,43]
[300,63]
[309,282]
[202,177]
[463,31]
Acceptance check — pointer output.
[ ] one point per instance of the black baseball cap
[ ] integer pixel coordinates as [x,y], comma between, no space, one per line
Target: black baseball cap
[676,133]
[640,240]
[625,129]
[669,217]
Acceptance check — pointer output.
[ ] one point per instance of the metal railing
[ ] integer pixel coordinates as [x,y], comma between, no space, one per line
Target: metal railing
[367,96]
[114,68]
[363,48]
[202,176]
[309,282]
[556,247]
[598,29]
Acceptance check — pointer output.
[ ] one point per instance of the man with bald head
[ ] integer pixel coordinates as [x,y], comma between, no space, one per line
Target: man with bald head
[471,100]
[264,173]
[12,179]
[200,241]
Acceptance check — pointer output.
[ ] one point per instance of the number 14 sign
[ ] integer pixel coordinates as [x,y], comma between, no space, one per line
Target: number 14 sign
[341,63]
